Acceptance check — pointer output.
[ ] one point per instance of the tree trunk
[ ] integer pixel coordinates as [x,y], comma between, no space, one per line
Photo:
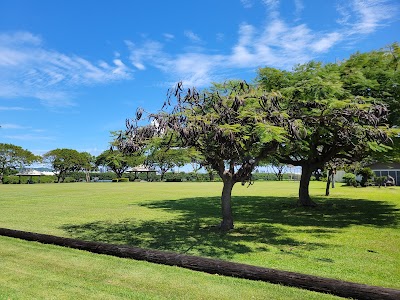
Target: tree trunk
[162,175]
[304,196]
[1,178]
[331,179]
[328,184]
[226,205]
[211,175]
[87,176]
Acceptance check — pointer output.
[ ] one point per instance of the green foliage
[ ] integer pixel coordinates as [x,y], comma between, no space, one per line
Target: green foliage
[366,174]
[350,179]
[161,155]
[65,161]
[326,118]
[14,157]
[376,75]
[117,161]
[13,179]
[69,179]
[120,179]
[380,180]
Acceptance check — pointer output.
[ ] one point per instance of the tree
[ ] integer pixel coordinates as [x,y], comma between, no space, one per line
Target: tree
[117,161]
[88,164]
[325,120]
[277,167]
[14,157]
[163,154]
[225,124]
[376,74]
[65,161]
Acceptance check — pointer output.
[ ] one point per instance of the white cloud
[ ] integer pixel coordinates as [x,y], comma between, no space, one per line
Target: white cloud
[366,16]
[192,36]
[13,126]
[278,43]
[325,43]
[28,69]
[169,36]
[148,51]
[30,137]
[8,108]
[299,7]
[247,3]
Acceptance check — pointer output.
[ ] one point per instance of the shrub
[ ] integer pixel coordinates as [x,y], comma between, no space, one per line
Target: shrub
[10,179]
[365,173]
[69,179]
[350,179]
[120,180]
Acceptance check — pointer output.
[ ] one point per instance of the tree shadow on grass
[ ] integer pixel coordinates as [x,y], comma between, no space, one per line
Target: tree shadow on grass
[261,222]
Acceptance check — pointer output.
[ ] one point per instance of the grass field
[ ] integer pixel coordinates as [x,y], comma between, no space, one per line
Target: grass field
[352,235]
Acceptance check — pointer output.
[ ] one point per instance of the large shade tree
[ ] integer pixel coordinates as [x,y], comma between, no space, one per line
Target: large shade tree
[376,74]
[225,124]
[14,157]
[64,161]
[117,161]
[325,120]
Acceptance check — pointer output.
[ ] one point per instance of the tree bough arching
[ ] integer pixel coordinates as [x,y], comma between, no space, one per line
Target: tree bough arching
[325,120]
[227,125]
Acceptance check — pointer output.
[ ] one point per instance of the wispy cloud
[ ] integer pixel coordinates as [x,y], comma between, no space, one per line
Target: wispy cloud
[277,43]
[168,36]
[366,16]
[28,69]
[247,3]
[28,137]
[13,126]
[9,108]
[192,36]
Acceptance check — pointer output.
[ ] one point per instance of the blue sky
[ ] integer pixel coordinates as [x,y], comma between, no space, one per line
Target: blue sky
[72,71]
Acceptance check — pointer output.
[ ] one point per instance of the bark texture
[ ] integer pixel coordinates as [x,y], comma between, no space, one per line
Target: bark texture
[226,205]
[304,196]
[214,266]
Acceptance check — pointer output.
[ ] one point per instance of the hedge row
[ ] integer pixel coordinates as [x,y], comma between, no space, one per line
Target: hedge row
[169,177]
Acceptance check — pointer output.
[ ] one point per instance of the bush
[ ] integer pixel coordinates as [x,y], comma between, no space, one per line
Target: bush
[120,180]
[366,173]
[10,179]
[69,179]
[350,179]
[380,180]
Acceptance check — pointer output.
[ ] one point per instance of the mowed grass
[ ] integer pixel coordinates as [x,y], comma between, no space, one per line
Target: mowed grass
[352,235]
[33,271]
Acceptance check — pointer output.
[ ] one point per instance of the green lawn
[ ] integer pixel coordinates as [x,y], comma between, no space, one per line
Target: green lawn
[352,235]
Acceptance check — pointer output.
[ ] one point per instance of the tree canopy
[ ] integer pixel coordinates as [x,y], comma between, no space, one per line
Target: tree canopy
[325,119]
[226,125]
[14,157]
[117,161]
[65,161]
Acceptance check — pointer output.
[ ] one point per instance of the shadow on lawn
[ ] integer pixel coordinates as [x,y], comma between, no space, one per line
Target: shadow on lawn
[260,222]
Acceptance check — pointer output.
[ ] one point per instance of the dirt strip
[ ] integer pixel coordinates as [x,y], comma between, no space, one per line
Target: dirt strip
[215,266]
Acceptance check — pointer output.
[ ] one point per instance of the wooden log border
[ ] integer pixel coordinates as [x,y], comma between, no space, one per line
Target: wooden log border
[215,266]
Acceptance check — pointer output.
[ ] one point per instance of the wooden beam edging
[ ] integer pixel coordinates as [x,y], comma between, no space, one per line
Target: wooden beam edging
[215,266]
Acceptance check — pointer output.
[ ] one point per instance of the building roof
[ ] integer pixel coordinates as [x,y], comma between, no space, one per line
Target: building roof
[140,168]
[29,173]
[384,166]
